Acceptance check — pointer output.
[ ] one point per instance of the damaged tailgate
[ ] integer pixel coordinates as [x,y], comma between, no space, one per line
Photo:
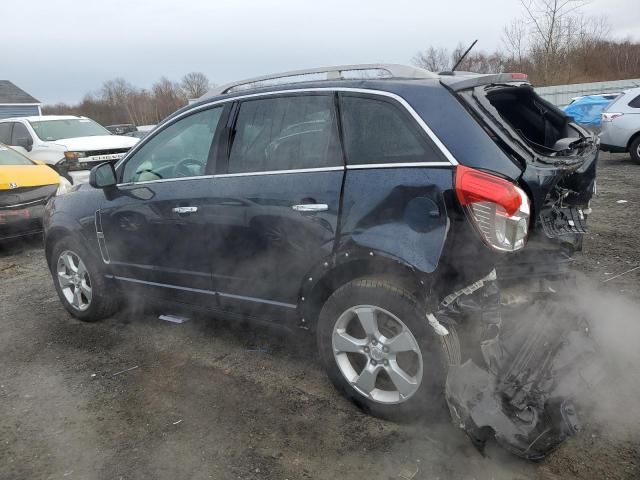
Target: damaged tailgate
[556,156]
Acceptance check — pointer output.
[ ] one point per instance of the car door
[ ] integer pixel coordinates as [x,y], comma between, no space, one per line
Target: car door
[155,224]
[281,180]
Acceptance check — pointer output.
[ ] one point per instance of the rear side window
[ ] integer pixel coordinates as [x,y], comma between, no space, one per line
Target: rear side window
[635,103]
[5,133]
[377,131]
[285,133]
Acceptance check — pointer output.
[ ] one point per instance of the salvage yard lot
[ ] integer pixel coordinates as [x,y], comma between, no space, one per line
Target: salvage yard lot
[134,397]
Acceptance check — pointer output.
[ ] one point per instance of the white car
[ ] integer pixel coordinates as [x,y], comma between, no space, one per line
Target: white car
[71,145]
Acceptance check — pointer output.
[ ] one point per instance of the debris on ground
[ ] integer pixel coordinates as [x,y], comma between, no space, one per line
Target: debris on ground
[124,371]
[174,318]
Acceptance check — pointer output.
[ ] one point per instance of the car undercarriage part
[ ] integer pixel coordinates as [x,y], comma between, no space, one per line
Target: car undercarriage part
[523,369]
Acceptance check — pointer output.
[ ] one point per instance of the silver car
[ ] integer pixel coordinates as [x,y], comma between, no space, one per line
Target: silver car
[621,125]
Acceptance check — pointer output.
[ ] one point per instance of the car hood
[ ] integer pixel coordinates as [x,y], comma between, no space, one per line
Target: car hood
[100,142]
[19,176]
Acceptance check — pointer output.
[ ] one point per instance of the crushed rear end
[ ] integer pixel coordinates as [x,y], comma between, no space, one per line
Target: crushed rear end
[526,357]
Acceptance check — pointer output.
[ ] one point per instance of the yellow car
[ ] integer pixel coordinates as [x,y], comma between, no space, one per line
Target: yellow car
[25,188]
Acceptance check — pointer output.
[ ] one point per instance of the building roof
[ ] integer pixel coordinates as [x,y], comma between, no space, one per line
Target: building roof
[11,94]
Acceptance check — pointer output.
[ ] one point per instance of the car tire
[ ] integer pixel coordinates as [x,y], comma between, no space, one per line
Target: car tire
[423,395]
[77,274]
[634,150]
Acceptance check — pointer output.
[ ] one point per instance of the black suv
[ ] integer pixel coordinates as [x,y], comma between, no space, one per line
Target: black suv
[381,208]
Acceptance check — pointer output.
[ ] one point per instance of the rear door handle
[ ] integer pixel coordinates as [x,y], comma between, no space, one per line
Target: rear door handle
[182,210]
[311,207]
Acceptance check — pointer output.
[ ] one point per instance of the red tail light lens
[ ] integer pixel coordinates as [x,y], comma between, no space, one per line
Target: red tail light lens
[498,208]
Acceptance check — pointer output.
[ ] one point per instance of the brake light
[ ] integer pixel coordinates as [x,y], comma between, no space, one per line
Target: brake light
[609,117]
[498,209]
[519,76]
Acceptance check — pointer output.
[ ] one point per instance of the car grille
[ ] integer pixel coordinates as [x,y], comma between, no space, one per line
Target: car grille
[96,153]
[26,196]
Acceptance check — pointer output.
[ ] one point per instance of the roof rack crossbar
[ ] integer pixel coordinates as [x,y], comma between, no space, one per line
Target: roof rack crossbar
[370,70]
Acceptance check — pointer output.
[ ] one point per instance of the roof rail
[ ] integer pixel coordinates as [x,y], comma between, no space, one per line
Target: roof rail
[339,72]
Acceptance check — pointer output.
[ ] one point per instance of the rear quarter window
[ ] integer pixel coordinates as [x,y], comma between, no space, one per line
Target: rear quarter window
[378,131]
[635,103]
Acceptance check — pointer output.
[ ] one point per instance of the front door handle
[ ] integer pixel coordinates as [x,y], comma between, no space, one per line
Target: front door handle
[311,207]
[183,210]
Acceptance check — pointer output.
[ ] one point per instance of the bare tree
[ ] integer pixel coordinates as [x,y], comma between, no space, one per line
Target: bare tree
[514,39]
[168,97]
[550,33]
[432,59]
[195,84]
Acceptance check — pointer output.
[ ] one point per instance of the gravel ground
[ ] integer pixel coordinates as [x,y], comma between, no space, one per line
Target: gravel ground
[133,397]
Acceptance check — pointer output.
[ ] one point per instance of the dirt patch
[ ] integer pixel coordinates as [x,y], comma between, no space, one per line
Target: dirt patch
[213,399]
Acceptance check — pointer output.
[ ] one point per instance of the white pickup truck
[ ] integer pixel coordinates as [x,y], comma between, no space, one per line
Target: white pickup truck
[71,145]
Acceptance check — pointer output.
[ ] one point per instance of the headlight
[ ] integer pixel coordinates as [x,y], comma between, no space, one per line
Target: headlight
[64,186]
[74,155]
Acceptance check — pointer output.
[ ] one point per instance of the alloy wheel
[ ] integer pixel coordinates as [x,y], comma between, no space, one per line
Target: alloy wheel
[74,280]
[377,354]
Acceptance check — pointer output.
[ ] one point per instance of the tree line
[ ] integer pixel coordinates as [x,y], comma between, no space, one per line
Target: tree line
[118,101]
[553,42]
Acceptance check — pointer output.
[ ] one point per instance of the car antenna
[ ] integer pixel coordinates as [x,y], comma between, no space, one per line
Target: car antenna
[462,57]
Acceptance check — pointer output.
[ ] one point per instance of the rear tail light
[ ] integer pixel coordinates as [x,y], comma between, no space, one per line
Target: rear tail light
[498,209]
[609,117]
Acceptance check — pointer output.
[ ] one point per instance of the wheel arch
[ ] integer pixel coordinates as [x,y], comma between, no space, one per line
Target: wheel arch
[331,274]
[632,139]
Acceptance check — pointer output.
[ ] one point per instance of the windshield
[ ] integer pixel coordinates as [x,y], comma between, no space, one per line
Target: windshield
[11,157]
[50,130]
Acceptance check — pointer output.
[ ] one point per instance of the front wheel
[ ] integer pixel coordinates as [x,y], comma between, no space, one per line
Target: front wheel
[379,350]
[80,284]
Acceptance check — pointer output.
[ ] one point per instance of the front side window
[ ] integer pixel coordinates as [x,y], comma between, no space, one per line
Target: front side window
[52,130]
[285,133]
[180,150]
[378,131]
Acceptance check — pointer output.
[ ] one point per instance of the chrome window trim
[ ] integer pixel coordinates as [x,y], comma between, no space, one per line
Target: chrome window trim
[398,165]
[277,172]
[163,180]
[443,149]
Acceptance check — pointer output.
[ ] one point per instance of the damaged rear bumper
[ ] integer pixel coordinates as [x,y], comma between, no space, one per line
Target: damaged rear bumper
[522,368]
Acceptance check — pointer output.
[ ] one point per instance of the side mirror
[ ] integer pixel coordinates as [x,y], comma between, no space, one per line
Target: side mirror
[103,176]
[25,142]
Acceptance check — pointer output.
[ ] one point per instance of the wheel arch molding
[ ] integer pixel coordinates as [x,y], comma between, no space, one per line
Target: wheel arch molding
[352,263]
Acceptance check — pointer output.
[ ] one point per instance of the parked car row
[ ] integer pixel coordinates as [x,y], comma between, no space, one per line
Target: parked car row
[70,145]
[25,188]
[621,125]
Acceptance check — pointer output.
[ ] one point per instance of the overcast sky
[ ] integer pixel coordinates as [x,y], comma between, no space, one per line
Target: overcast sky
[58,50]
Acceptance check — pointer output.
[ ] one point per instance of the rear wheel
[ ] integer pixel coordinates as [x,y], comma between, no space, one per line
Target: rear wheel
[379,350]
[80,284]
[634,150]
